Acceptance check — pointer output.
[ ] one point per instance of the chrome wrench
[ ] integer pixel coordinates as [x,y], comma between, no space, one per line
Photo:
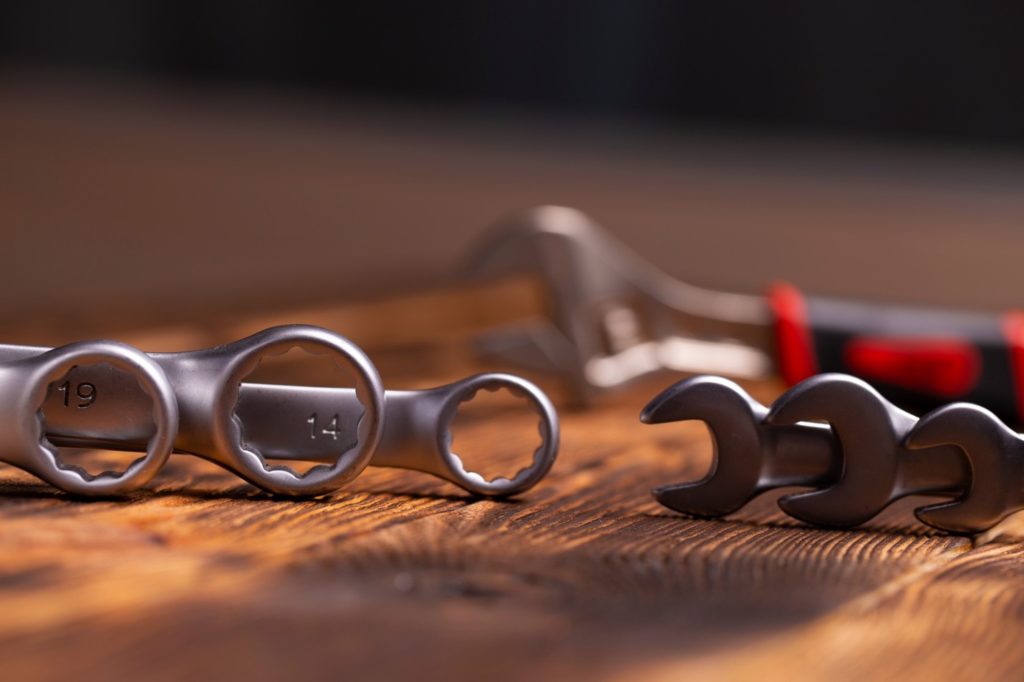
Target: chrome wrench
[240,426]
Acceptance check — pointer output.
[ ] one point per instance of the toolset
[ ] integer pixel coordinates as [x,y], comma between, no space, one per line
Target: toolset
[867,454]
[103,394]
[614,318]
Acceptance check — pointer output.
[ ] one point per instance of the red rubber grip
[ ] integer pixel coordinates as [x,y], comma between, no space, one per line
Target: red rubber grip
[1013,330]
[796,356]
[947,368]
[921,357]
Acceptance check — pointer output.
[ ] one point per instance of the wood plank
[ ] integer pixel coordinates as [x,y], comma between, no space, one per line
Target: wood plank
[958,619]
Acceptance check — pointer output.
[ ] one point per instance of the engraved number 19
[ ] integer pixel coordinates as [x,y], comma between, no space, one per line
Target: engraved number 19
[84,394]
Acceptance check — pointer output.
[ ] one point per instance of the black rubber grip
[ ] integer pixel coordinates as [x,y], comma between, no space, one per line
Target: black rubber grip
[919,357]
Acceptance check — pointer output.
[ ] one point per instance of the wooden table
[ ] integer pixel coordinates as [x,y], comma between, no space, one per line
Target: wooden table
[402,576]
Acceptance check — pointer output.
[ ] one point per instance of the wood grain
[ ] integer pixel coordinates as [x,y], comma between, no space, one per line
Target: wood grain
[402,575]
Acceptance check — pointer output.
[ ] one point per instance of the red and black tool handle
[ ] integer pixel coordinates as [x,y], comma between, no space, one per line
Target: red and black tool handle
[916,356]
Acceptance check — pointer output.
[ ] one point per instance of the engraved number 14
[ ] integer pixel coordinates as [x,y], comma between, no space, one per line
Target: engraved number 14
[331,429]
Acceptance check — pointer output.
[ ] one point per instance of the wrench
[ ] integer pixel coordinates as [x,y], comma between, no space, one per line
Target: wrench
[870,454]
[615,317]
[94,395]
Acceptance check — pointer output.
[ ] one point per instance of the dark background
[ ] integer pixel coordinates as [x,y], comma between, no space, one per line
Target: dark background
[184,160]
[947,71]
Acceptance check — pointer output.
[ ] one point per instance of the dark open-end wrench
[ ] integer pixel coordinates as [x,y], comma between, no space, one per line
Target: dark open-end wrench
[870,454]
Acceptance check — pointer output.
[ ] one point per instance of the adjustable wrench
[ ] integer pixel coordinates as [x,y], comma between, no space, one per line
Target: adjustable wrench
[614,317]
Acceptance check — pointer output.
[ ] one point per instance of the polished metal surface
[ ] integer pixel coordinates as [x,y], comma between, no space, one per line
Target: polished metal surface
[247,427]
[750,456]
[615,317]
[868,454]
[24,386]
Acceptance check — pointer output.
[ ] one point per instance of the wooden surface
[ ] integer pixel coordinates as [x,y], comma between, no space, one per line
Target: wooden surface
[402,576]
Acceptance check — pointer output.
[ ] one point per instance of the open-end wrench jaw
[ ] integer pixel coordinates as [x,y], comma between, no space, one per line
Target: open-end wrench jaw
[733,420]
[748,457]
[869,429]
[995,457]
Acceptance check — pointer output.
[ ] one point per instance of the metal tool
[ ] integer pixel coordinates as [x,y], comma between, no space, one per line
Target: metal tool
[615,317]
[240,426]
[24,385]
[869,454]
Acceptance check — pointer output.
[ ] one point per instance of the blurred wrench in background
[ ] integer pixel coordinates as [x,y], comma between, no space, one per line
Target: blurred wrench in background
[615,317]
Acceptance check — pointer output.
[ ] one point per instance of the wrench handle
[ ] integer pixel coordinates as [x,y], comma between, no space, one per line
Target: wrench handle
[921,357]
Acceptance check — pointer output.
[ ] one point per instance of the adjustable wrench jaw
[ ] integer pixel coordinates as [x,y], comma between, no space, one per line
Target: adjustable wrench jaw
[613,317]
[551,243]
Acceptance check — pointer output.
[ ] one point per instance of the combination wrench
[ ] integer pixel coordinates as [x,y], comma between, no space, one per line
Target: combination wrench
[108,395]
[838,435]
